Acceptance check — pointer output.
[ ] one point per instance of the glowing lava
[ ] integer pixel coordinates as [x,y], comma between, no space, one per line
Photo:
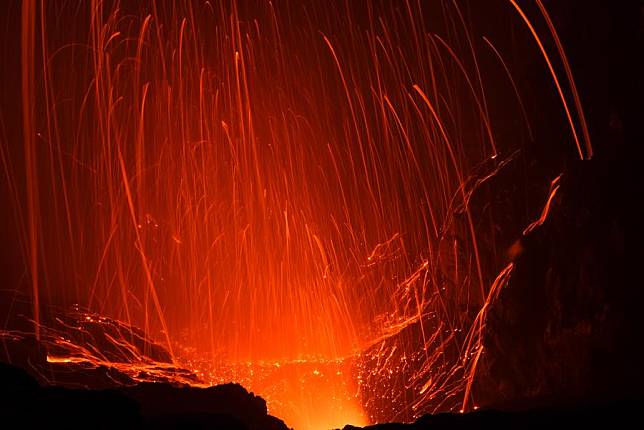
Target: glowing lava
[271,183]
[307,394]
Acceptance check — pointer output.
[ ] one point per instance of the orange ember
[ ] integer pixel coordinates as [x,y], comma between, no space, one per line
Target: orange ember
[278,192]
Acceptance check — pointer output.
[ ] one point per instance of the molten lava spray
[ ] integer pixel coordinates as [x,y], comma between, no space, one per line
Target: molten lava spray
[277,191]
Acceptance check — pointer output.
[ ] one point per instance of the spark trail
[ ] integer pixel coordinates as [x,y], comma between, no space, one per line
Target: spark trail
[278,190]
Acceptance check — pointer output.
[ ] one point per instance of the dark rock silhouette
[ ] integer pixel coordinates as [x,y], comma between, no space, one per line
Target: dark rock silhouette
[149,405]
[566,329]
[615,415]
[77,375]
[25,404]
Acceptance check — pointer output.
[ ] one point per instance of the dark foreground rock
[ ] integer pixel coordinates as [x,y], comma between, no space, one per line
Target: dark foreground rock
[89,371]
[620,415]
[26,404]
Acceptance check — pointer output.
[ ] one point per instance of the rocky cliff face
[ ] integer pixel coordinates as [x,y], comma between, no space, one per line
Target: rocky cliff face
[567,328]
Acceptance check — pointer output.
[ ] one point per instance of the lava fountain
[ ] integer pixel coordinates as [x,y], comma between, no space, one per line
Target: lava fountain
[277,191]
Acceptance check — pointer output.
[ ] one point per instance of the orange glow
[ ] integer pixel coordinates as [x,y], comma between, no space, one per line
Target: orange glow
[554,187]
[307,394]
[275,191]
